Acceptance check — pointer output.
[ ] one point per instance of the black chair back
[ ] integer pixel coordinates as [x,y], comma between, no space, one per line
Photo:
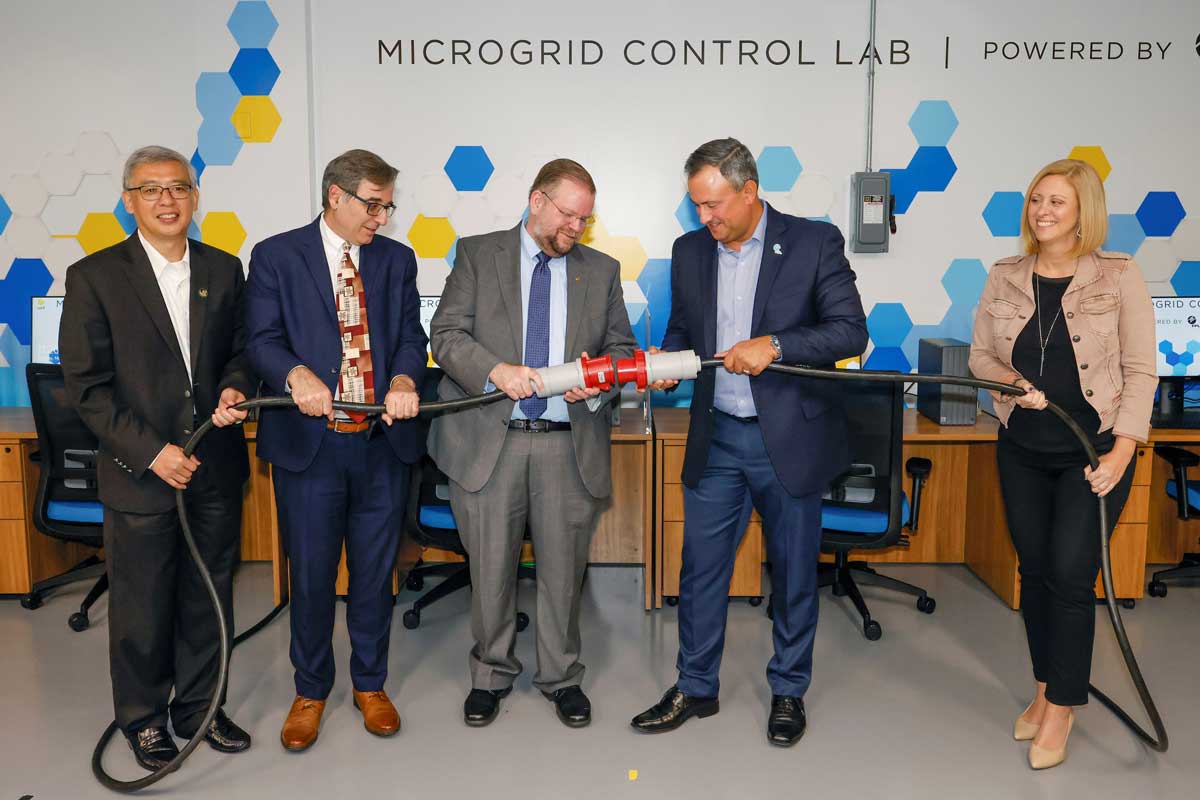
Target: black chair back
[67,450]
[428,485]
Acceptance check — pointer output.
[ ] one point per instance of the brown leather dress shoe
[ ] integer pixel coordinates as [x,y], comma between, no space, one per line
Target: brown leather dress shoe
[302,724]
[379,715]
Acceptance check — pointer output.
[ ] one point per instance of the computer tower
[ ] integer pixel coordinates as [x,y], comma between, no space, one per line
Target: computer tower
[945,405]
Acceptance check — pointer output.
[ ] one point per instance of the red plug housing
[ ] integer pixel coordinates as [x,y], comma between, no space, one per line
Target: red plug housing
[598,373]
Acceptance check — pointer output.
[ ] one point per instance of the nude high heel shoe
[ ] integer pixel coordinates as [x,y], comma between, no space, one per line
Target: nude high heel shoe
[1041,758]
[1024,731]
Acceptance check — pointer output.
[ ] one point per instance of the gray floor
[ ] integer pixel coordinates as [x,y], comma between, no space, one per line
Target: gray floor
[926,712]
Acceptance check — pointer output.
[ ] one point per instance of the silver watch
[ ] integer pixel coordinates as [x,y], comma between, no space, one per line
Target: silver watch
[778,349]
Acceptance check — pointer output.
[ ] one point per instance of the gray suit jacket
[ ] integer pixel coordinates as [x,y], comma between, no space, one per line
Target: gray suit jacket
[478,325]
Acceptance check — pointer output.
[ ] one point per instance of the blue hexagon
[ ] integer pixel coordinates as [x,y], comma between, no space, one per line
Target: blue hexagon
[1186,280]
[453,252]
[888,358]
[689,220]
[1003,213]
[933,123]
[5,214]
[198,163]
[469,168]
[1125,234]
[216,95]
[778,168]
[964,280]
[904,188]
[194,230]
[1160,213]
[1193,346]
[128,223]
[1165,347]
[655,283]
[1186,357]
[1172,358]
[254,71]
[252,23]
[931,168]
[27,277]
[888,324]
[218,142]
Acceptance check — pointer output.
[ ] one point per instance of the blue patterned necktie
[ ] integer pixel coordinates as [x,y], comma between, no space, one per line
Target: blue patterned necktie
[537,330]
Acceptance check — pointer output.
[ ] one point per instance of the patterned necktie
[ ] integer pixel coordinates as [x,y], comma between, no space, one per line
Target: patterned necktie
[537,330]
[356,382]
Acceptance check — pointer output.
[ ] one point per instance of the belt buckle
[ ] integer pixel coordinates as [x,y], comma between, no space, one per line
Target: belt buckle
[338,422]
[539,425]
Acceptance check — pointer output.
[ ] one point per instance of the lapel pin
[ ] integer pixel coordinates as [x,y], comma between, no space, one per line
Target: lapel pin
[578,279]
[204,292]
[777,250]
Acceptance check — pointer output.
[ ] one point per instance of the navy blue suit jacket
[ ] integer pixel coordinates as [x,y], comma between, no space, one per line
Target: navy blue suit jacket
[806,296]
[291,319]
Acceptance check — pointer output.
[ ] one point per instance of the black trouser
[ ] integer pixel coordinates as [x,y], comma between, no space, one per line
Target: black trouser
[162,631]
[1052,518]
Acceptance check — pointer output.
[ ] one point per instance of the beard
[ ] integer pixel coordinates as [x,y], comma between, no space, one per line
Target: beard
[559,243]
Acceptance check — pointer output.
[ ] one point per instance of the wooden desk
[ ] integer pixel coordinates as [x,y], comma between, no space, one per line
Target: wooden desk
[962,516]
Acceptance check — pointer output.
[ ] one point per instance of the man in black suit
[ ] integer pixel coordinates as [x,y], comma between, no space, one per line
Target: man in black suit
[151,341]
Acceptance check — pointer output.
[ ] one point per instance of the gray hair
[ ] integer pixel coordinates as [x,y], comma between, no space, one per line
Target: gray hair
[155,154]
[731,157]
[351,168]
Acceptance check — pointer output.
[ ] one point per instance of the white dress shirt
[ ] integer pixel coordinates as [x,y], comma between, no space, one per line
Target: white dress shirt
[175,282]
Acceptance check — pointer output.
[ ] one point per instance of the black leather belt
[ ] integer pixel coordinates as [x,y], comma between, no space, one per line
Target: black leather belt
[537,425]
[735,418]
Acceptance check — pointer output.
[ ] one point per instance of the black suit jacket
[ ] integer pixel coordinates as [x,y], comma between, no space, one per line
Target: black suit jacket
[126,376]
[806,295]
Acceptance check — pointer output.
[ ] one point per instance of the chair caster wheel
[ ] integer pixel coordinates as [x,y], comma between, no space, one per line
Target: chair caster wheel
[414,582]
[1128,603]
[672,601]
[31,601]
[755,601]
[926,604]
[522,621]
[873,631]
[79,621]
[412,619]
[1156,589]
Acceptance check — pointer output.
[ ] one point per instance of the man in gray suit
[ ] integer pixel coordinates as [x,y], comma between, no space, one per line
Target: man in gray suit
[516,301]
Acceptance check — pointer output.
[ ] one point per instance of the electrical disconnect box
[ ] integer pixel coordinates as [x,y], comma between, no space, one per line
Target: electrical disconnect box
[870,212]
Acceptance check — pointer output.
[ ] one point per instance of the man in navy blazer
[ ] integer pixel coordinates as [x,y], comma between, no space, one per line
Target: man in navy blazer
[332,311]
[754,286]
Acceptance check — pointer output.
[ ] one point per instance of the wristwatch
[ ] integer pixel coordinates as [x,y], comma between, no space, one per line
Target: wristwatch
[778,349]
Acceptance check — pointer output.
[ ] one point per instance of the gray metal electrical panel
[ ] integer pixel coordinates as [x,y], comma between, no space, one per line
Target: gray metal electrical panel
[870,194]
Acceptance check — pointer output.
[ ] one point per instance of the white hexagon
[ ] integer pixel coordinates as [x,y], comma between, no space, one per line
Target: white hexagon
[1157,260]
[507,195]
[812,196]
[1160,288]
[6,256]
[472,215]
[61,253]
[435,195]
[64,213]
[25,195]
[27,236]
[60,173]
[96,152]
[1186,240]
[99,192]
[431,275]
[780,201]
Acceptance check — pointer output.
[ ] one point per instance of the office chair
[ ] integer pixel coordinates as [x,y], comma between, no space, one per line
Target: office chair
[866,508]
[1187,499]
[67,506]
[430,522]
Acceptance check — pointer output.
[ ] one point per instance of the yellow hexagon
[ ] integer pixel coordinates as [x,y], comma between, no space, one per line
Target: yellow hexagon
[431,237]
[594,233]
[626,249]
[1094,155]
[222,229]
[99,231]
[256,119]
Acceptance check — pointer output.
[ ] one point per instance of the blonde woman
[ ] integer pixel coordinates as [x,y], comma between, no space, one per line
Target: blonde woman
[1074,325]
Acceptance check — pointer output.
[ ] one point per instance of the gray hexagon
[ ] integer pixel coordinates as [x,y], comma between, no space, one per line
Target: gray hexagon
[472,215]
[507,194]
[812,196]
[435,195]
[25,195]
[1157,260]
[95,151]
[60,173]
[1185,241]
[61,253]
[27,236]
[432,274]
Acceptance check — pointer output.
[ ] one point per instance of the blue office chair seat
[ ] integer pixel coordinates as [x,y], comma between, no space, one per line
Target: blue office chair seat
[75,511]
[440,517]
[1193,492]
[858,520]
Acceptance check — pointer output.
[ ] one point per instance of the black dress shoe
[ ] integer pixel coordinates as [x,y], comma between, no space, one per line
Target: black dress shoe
[786,724]
[571,705]
[673,710]
[152,747]
[482,706]
[222,735]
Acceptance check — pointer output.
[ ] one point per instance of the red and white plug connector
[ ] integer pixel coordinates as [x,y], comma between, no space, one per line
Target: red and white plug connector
[605,372]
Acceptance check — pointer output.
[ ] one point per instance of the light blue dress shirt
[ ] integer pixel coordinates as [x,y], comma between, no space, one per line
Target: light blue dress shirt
[737,282]
[556,407]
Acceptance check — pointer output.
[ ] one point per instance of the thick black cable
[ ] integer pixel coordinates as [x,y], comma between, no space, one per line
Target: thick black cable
[442,406]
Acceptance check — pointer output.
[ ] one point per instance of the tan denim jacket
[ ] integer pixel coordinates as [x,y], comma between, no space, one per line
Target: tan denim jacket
[1110,319]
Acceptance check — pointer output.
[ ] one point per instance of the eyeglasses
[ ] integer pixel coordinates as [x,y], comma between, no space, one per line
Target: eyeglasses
[152,191]
[584,221]
[373,208]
